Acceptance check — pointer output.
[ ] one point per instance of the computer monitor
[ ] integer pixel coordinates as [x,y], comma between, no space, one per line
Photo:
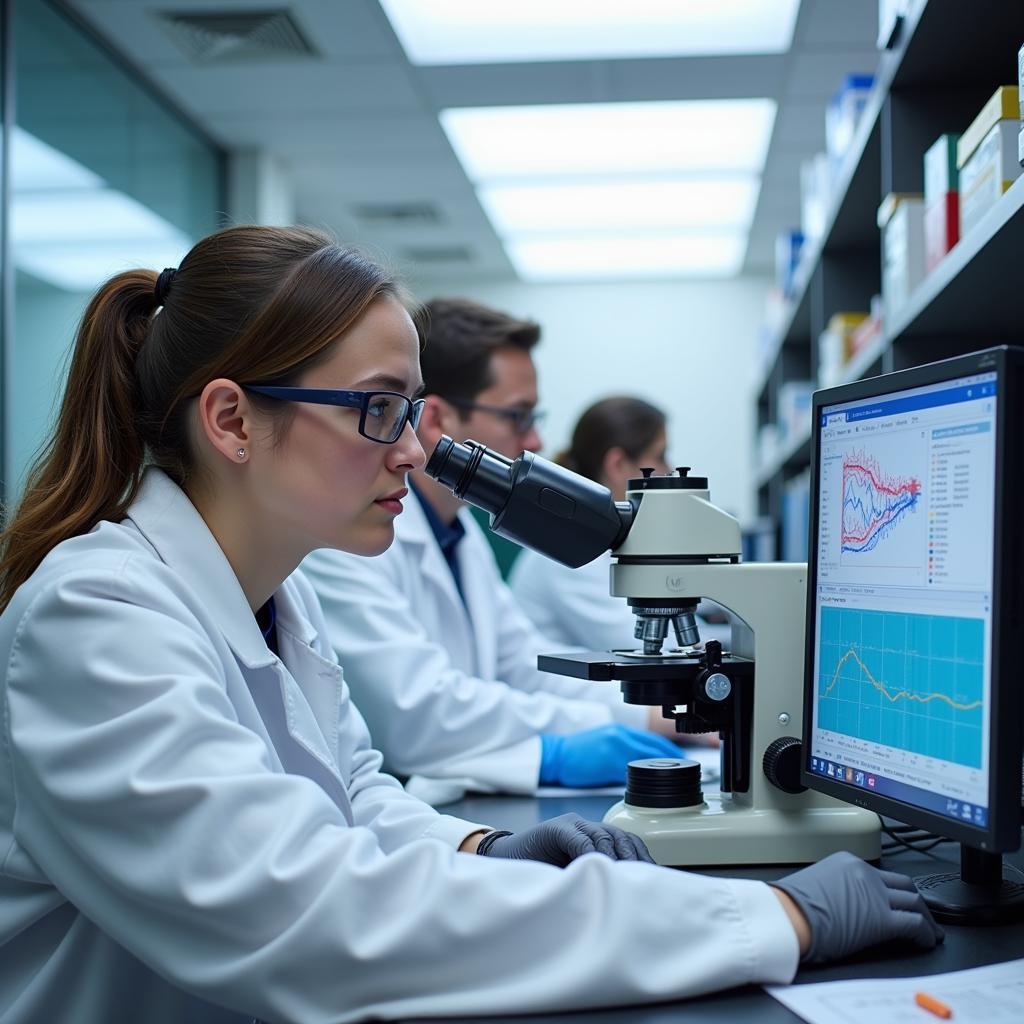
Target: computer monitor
[914,669]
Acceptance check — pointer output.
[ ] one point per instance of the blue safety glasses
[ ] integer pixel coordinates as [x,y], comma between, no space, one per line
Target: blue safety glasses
[382,414]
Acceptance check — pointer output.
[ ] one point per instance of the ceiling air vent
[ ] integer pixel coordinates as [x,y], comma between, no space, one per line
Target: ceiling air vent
[438,254]
[213,37]
[414,213]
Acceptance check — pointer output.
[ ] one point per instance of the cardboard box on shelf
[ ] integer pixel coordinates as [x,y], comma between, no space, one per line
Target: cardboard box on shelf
[1004,105]
[1020,81]
[941,228]
[940,170]
[815,193]
[835,347]
[794,410]
[767,444]
[788,247]
[867,332]
[901,218]
[989,171]
[842,114]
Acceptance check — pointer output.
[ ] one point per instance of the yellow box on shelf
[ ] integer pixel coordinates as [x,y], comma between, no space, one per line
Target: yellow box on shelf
[1004,105]
[890,204]
[835,346]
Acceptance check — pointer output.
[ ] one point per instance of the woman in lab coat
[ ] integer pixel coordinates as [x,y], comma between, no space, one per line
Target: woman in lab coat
[611,442]
[193,826]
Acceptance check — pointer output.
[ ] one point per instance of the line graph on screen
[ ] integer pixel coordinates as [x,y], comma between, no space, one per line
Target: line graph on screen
[874,503]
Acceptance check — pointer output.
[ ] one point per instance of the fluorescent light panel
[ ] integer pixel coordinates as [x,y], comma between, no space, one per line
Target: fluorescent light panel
[85,266]
[508,31]
[628,205]
[627,256]
[83,214]
[38,166]
[665,137]
[69,229]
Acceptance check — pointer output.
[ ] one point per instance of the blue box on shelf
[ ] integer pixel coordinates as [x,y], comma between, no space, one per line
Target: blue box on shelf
[843,113]
[788,246]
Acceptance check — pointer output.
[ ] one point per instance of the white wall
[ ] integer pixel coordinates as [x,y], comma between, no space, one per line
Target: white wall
[689,348]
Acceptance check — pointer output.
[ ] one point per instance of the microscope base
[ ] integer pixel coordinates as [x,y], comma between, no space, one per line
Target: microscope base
[719,832]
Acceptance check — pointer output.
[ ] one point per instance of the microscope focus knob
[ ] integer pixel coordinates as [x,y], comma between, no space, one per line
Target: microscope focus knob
[782,764]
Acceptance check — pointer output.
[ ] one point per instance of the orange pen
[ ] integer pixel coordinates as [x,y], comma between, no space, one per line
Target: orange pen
[933,1005]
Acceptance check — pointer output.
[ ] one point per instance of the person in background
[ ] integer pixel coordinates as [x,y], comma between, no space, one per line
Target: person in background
[613,440]
[193,823]
[440,659]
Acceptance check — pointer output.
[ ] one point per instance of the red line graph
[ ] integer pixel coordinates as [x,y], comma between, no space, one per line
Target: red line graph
[872,501]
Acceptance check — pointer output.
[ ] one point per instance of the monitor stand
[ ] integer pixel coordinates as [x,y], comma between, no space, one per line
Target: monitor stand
[986,891]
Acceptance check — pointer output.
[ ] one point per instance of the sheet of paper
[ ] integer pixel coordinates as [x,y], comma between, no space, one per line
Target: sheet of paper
[979,995]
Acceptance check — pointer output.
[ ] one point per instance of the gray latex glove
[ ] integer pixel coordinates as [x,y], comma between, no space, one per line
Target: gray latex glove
[563,839]
[850,905]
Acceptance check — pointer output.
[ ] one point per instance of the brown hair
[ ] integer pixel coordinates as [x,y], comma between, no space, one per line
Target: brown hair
[251,304]
[461,338]
[621,422]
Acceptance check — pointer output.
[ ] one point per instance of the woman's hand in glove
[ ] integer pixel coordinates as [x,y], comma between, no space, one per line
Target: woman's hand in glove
[561,840]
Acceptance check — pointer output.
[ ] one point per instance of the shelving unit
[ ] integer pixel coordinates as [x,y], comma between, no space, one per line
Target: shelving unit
[948,57]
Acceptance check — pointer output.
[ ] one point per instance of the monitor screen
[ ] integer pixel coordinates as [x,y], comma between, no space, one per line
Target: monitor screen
[902,593]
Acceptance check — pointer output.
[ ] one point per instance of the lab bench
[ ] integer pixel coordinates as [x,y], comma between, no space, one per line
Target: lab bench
[964,946]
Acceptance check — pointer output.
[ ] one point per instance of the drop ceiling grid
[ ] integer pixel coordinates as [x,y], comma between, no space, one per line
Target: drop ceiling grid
[359,124]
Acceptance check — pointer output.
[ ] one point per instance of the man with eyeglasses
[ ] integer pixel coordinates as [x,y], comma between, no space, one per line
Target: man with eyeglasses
[439,658]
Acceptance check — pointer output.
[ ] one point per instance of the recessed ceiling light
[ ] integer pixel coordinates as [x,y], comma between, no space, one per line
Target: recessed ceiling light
[664,137]
[503,31]
[621,258]
[616,205]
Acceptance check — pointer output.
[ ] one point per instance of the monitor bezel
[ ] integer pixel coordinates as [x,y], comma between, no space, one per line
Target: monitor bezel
[1003,831]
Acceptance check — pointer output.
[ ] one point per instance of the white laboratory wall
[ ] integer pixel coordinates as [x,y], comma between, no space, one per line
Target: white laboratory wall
[690,348]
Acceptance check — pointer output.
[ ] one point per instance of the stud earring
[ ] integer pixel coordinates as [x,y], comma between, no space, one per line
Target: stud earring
[241,453]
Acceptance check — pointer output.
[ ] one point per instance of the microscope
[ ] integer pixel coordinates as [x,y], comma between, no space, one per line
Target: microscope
[672,547]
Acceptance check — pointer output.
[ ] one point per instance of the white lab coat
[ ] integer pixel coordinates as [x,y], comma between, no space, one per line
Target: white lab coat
[450,689]
[575,606]
[160,862]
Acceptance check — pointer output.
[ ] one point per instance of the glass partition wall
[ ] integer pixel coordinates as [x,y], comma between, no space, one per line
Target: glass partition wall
[103,175]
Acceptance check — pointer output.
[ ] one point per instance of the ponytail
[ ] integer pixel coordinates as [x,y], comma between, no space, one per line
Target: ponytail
[91,466]
[249,303]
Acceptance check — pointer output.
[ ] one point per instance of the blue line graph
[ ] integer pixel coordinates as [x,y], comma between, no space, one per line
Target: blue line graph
[872,503]
[914,682]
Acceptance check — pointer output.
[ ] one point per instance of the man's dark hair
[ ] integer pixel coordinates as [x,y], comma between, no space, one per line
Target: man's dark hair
[461,337]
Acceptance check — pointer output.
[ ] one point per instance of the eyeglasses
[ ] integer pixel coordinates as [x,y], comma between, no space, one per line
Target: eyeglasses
[382,414]
[523,420]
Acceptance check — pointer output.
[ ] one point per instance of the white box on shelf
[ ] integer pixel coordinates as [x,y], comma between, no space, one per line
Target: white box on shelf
[903,262]
[767,445]
[815,192]
[989,171]
[794,410]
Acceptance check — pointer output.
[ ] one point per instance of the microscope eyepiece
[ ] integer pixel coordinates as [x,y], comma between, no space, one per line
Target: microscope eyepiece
[472,472]
[532,501]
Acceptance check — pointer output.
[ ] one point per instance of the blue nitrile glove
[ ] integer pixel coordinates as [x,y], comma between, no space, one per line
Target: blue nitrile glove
[850,905]
[563,839]
[598,757]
